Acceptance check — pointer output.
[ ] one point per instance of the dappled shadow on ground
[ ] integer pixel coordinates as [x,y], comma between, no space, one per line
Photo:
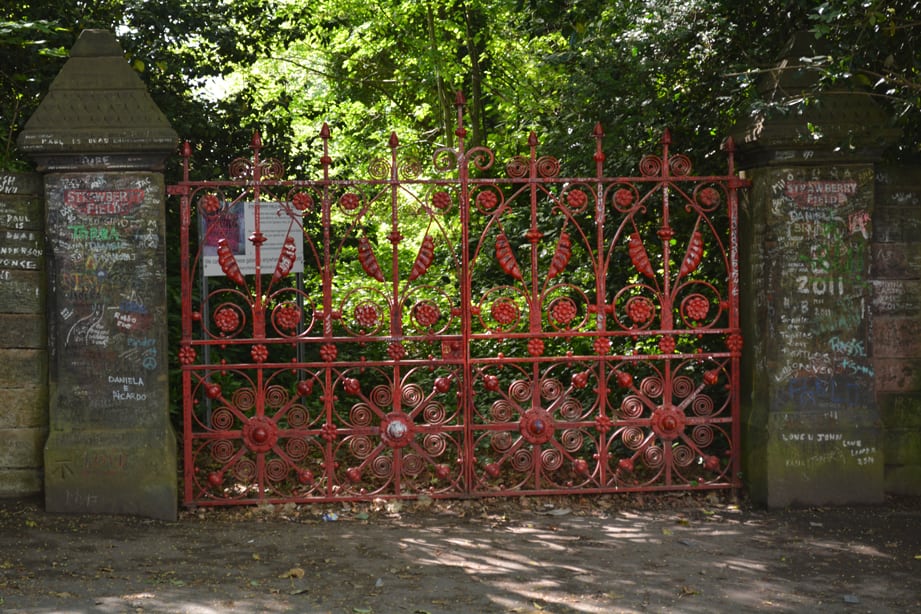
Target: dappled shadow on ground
[549,555]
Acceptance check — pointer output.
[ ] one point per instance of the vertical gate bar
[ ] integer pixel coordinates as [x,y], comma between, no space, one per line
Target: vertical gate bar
[600,314]
[535,308]
[734,184]
[186,336]
[466,399]
[326,276]
[396,310]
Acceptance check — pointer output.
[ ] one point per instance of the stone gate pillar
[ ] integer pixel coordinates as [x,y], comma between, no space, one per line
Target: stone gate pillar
[101,142]
[812,426]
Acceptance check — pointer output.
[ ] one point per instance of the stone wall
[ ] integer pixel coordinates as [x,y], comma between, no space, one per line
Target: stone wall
[23,353]
[896,323]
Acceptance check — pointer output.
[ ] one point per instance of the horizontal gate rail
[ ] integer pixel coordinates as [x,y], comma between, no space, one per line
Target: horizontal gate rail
[459,330]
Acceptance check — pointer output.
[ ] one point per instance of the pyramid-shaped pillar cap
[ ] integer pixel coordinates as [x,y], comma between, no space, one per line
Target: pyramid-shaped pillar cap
[97,114]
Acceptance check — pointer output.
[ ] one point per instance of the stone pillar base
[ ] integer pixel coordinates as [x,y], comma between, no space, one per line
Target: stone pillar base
[112,472]
[816,458]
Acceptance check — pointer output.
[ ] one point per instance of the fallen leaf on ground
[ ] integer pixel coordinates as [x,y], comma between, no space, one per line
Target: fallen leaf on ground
[294,572]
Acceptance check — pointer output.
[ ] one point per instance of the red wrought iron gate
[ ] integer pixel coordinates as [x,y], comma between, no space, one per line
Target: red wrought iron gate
[448,333]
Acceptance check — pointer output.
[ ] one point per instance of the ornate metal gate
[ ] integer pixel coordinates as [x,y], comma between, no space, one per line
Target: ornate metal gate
[454,334]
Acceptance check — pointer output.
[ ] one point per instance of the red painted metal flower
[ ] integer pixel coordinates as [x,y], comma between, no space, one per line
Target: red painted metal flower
[210,204]
[734,342]
[563,311]
[576,199]
[350,201]
[259,353]
[623,198]
[486,200]
[602,346]
[697,308]
[302,201]
[328,352]
[288,317]
[536,347]
[667,344]
[441,200]
[396,351]
[187,355]
[227,319]
[367,315]
[708,197]
[426,314]
[640,309]
[504,312]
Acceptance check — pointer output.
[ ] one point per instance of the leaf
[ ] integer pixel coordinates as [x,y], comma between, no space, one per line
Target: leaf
[294,572]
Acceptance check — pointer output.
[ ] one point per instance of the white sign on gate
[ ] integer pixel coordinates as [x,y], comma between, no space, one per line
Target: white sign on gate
[236,224]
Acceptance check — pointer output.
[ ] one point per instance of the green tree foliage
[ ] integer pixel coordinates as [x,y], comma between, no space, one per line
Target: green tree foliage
[222,70]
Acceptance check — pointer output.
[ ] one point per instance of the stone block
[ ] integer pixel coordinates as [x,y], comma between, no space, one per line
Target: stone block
[904,480]
[900,411]
[22,447]
[902,447]
[811,458]
[112,472]
[897,375]
[23,331]
[20,482]
[22,291]
[23,368]
[896,336]
[895,297]
[24,407]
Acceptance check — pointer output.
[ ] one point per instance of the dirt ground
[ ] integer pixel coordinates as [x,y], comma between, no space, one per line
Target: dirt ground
[626,553]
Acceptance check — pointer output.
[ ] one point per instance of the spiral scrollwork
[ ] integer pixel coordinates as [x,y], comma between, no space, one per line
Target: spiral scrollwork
[521,460]
[650,165]
[222,419]
[412,395]
[276,470]
[683,455]
[653,457]
[679,165]
[413,465]
[631,407]
[379,168]
[501,441]
[382,395]
[360,414]
[702,405]
[501,411]
[520,390]
[570,409]
[517,167]
[361,446]
[222,450]
[276,397]
[434,444]
[551,388]
[572,439]
[652,386]
[296,448]
[382,466]
[551,459]
[682,386]
[633,437]
[297,416]
[702,435]
[244,470]
[434,413]
[548,166]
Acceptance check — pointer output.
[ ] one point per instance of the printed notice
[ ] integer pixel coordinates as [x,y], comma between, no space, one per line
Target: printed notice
[234,225]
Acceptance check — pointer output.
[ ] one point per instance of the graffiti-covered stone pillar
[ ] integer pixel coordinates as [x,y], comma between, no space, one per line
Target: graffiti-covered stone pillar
[101,142]
[813,432]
